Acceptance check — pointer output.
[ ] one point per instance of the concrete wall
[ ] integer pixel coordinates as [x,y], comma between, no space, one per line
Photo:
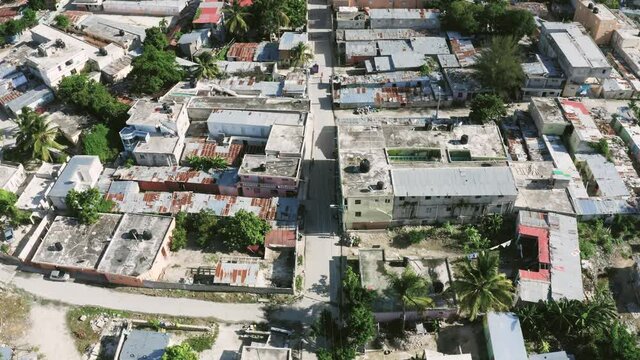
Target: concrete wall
[368,212]
[216,288]
[412,210]
[53,74]
[600,27]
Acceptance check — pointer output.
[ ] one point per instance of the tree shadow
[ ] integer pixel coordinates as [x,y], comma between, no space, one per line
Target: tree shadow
[321,287]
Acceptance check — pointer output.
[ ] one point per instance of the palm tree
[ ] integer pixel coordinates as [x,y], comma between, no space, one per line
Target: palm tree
[36,136]
[410,288]
[301,55]
[207,68]
[236,18]
[481,287]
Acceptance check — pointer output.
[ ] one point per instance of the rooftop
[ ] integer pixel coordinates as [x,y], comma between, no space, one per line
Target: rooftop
[242,51]
[448,61]
[289,40]
[143,344]
[48,38]
[240,271]
[462,80]
[463,48]
[265,353]
[128,199]
[106,28]
[80,173]
[578,114]
[377,34]
[179,174]
[80,246]
[254,118]
[541,65]
[285,139]
[431,14]
[605,174]
[29,97]
[266,51]
[361,48]
[266,165]
[158,145]
[458,181]
[145,112]
[577,47]
[8,171]
[210,12]
[134,255]
[201,147]
[34,193]
[505,336]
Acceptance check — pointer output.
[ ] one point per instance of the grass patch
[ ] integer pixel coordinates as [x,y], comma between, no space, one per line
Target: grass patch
[202,342]
[85,336]
[14,313]
[300,260]
[299,283]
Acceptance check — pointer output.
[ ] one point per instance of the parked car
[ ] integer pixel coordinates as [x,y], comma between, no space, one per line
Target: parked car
[59,275]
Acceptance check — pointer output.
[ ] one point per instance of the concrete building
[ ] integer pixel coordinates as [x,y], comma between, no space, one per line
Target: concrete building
[351,18]
[504,336]
[253,124]
[143,344]
[378,4]
[58,55]
[33,99]
[191,42]
[547,116]
[34,195]
[585,134]
[549,265]
[144,8]
[126,36]
[625,126]
[269,176]
[597,19]
[11,176]
[80,173]
[265,353]
[463,83]
[462,47]
[125,249]
[377,34]
[379,190]
[578,55]
[600,177]
[542,78]
[418,19]
[288,41]
[155,132]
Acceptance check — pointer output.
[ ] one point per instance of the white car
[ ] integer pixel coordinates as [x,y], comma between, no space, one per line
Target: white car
[59,275]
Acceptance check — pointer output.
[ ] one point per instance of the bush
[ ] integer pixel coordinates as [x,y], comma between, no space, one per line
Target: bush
[299,283]
[474,241]
[179,235]
[96,142]
[205,163]
[87,205]
[62,21]
[9,210]
[201,343]
[242,229]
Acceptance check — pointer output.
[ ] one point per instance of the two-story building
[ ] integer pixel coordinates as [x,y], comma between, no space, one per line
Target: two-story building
[79,174]
[155,132]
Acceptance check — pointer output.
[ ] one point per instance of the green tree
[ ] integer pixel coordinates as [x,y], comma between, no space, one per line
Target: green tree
[462,16]
[179,234]
[490,14]
[481,287]
[180,352]
[13,27]
[235,17]
[273,16]
[474,241]
[242,229]
[498,66]
[164,25]
[29,17]
[154,70]
[208,69]
[154,36]
[361,325]
[94,98]
[36,137]
[37,4]
[297,12]
[353,291]
[62,21]
[96,142]
[516,23]
[491,225]
[486,108]
[412,289]
[87,205]
[301,55]
[206,163]
[9,210]
[205,226]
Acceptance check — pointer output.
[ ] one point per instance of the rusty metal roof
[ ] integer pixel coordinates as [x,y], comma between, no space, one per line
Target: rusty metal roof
[201,147]
[237,272]
[177,174]
[283,238]
[242,51]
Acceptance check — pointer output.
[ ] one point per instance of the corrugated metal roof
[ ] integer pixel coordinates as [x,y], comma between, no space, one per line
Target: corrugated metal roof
[289,40]
[242,51]
[605,174]
[237,273]
[458,181]
[566,269]
[505,336]
[202,147]
[178,174]
[283,238]
[542,236]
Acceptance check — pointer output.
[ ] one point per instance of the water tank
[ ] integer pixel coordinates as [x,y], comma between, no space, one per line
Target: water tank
[595,10]
[58,246]
[121,32]
[464,139]
[590,6]
[133,234]
[147,235]
[60,44]
[102,51]
[380,185]
[365,166]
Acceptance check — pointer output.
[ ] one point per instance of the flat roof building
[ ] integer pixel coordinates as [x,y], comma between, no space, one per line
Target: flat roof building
[265,353]
[504,336]
[127,249]
[80,173]
[11,176]
[143,344]
[417,19]
[547,116]
[549,246]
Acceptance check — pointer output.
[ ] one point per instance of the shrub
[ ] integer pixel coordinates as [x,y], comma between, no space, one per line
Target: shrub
[201,343]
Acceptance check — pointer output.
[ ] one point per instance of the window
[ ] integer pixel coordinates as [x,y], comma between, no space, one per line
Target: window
[478,196]
[274,192]
[386,201]
[427,197]
[401,198]
[499,205]
[358,202]
[358,214]
[448,208]
[500,196]
[69,62]
[447,197]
